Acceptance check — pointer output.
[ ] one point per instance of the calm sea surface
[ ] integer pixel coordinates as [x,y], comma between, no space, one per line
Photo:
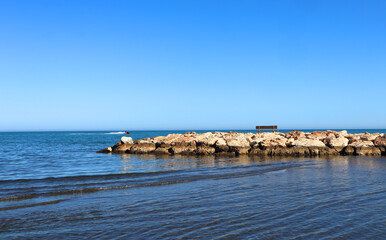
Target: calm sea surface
[53,185]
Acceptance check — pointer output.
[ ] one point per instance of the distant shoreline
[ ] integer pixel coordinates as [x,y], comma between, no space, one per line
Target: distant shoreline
[293,143]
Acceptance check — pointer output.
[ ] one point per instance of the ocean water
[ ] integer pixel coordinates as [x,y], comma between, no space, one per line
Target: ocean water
[53,185]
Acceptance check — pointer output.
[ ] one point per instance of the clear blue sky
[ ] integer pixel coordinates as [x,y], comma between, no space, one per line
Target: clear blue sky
[95,65]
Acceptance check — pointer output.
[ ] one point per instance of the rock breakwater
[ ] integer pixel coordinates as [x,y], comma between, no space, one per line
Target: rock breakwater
[294,143]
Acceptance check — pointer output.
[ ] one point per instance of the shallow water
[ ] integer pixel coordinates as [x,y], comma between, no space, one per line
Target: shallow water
[54,185]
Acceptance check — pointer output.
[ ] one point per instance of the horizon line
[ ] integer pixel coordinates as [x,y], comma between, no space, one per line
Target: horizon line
[170,130]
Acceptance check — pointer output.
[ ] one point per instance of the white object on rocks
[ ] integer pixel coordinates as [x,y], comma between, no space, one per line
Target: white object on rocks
[127,140]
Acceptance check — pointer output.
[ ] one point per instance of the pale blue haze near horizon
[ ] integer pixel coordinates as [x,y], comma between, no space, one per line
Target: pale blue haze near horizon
[96,65]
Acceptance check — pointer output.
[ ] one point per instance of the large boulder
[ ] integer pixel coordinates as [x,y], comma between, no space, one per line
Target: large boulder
[159,139]
[369,137]
[362,148]
[163,149]
[324,151]
[205,150]
[362,151]
[250,137]
[183,148]
[255,141]
[208,138]
[305,142]
[272,135]
[237,143]
[171,138]
[106,150]
[368,151]
[361,144]
[221,145]
[273,143]
[121,147]
[295,135]
[353,138]
[190,133]
[259,152]
[348,151]
[141,148]
[183,140]
[127,140]
[341,134]
[380,142]
[317,135]
[239,150]
[145,141]
[290,142]
[337,142]
[299,151]
[383,150]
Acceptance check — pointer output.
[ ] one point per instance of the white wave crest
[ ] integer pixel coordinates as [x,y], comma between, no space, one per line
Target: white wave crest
[83,133]
[115,133]
[276,171]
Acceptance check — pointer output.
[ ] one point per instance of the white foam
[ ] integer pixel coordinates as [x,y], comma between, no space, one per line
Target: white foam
[277,171]
[115,133]
[83,133]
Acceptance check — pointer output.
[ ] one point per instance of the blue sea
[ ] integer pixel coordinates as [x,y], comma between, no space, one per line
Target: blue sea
[53,185]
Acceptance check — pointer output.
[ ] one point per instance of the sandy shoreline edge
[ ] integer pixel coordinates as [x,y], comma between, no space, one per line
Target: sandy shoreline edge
[294,143]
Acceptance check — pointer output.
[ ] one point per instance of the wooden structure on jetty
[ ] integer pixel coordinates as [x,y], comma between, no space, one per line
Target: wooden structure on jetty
[273,127]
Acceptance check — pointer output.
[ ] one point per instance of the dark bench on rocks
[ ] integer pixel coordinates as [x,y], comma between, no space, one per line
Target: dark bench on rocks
[273,127]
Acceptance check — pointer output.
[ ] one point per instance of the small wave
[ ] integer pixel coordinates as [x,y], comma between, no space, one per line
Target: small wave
[115,133]
[277,171]
[90,177]
[126,181]
[32,205]
[84,133]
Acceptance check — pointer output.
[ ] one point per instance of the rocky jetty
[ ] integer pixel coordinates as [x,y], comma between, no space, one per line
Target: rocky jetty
[294,143]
